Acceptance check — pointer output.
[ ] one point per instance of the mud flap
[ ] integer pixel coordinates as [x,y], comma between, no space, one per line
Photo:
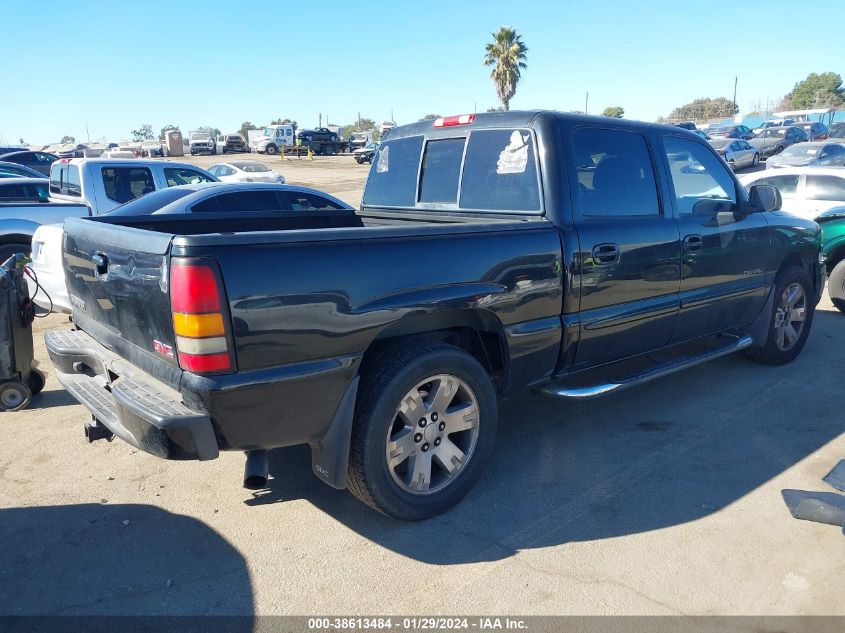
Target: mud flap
[821,507]
[330,455]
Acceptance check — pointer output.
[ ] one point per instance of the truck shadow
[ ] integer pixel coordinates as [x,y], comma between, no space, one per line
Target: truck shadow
[664,454]
[118,560]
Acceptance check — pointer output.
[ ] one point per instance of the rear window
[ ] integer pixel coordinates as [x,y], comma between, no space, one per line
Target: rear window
[393,176]
[64,179]
[500,172]
[490,170]
[123,184]
[151,203]
[242,201]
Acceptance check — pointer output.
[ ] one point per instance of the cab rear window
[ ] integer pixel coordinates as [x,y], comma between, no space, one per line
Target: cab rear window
[491,170]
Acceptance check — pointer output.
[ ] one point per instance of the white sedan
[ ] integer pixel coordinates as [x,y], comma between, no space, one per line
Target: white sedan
[806,191]
[245,171]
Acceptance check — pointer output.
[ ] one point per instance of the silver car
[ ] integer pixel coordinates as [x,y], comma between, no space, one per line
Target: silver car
[814,154]
[736,152]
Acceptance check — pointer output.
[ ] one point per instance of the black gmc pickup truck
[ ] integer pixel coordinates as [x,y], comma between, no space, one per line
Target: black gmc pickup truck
[492,253]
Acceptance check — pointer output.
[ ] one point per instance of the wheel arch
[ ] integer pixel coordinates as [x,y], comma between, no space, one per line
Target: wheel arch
[477,332]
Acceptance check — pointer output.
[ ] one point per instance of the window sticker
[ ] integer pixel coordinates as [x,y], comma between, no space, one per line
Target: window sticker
[514,158]
[383,163]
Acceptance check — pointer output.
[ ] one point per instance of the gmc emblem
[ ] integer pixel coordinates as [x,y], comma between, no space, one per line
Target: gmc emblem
[163,349]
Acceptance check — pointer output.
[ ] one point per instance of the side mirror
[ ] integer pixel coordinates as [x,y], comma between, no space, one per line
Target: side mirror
[765,197]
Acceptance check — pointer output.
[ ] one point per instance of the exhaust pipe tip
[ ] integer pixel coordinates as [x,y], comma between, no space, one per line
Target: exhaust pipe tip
[256,470]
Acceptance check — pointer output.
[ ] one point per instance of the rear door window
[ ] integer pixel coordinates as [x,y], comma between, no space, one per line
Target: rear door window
[123,184]
[500,172]
[441,170]
[830,188]
[393,176]
[615,174]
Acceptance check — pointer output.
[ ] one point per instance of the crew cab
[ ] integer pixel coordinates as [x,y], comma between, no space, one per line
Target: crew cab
[492,254]
[82,187]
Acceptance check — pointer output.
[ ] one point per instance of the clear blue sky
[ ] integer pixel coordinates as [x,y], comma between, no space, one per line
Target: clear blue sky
[116,65]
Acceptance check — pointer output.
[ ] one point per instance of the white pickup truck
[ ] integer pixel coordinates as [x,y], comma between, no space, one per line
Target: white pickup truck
[80,187]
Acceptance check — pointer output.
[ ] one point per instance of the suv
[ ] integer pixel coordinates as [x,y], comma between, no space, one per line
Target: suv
[231,143]
[202,143]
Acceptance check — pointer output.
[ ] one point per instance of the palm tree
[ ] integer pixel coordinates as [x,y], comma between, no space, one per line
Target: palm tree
[506,53]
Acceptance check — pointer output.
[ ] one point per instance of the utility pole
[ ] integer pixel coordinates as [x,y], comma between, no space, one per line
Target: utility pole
[734,110]
[320,115]
[391,115]
[586,103]
[87,133]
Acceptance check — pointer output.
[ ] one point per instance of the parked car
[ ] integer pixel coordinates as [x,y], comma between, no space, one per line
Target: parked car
[8,149]
[318,134]
[100,186]
[816,130]
[231,143]
[688,125]
[774,140]
[300,328]
[23,190]
[14,170]
[736,152]
[732,131]
[837,130]
[832,223]
[72,150]
[765,125]
[811,154]
[202,143]
[39,161]
[151,149]
[245,171]
[806,191]
[366,153]
[357,140]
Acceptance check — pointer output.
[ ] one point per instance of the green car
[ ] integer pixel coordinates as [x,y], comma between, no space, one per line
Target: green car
[832,222]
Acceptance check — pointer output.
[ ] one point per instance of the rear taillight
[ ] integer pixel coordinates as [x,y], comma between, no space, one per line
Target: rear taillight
[197,303]
[449,121]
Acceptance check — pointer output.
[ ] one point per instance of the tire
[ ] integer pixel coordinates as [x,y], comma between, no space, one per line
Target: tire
[385,409]
[328,150]
[732,165]
[836,280]
[272,150]
[333,138]
[756,160]
[36,381]
[781,347]
[14,396]
[359,160]
[7,250]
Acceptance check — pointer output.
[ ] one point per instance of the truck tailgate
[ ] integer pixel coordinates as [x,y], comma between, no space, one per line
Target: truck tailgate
[117,279]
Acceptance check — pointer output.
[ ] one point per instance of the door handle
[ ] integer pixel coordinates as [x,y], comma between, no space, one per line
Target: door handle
[693,243]
[101,263]
[605,253]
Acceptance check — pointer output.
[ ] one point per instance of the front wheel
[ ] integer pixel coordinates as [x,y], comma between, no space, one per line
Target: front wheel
[791,318]
[425,423]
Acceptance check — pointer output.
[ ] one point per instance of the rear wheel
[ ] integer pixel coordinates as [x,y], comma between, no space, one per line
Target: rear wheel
[425,424]
[791,319]
[328,150]
[756,160]
[14,396]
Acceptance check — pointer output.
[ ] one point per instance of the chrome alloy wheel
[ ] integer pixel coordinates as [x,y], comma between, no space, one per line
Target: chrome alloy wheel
[790,316]
[433,434]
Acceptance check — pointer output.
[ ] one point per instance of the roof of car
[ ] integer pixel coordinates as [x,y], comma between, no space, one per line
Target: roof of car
[792,171]
[24,181]
[129,162]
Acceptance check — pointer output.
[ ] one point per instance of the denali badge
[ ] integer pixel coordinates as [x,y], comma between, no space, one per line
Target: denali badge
[163,349]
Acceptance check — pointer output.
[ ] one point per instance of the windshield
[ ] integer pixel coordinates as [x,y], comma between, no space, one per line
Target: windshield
[719,143]
[145,205]
[773,133]
[251,166]
[201,137]
[801,149]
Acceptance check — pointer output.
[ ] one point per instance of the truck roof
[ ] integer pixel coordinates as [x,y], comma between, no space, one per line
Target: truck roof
[524,118]
[128,162]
